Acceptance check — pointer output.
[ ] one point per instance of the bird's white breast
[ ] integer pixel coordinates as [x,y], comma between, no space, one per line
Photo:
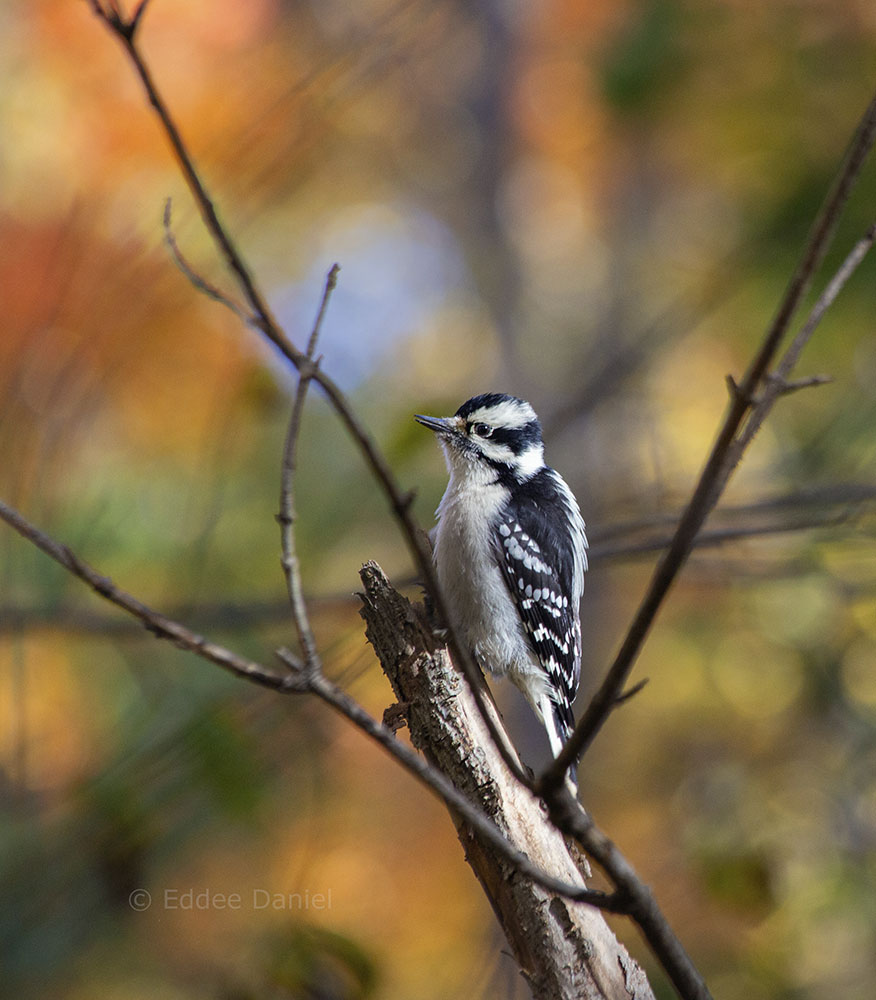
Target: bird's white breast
[488,623]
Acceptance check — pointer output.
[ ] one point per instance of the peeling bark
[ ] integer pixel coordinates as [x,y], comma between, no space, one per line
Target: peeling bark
[565,950]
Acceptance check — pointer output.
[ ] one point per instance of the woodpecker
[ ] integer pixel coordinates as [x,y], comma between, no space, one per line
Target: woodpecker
[510,551]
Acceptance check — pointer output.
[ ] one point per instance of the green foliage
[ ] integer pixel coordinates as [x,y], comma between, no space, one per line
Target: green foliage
[741,880]
[311,963]
[224,764]
[645,59]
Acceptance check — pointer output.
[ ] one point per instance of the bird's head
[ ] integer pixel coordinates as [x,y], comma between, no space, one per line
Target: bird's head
[492,435]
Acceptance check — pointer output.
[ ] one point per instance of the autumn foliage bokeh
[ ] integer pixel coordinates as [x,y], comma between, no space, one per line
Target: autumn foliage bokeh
[595,206]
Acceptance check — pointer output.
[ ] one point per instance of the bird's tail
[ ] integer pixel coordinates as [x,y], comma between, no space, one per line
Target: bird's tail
[560,724]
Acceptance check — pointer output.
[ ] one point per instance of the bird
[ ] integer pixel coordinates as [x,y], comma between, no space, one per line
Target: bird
[510,554]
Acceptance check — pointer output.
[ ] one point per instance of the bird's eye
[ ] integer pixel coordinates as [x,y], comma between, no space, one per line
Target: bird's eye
[482,430]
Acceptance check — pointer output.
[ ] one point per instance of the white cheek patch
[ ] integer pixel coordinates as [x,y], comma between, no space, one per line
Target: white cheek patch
[497,452]
[531,460]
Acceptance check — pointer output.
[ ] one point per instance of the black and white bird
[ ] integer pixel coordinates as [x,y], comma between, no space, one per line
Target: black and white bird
[510,554]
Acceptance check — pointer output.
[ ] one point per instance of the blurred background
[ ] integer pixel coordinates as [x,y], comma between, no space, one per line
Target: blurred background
[595,206]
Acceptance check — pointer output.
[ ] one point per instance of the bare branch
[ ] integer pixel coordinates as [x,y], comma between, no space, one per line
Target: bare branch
[263,319]
[262,314]
[712,538]
[434,779]
[197,281]
[777,384]
[842,501]
[301,679]
[625,696]
[445,727]
[817,245]
[286,517]
[125,27]
[158,624]
[298,680]
[797,384]
[722,459]
[807,499]
[635,896]
[138,13]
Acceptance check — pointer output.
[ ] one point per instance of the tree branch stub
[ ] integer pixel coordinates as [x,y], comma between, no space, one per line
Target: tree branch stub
[565,949]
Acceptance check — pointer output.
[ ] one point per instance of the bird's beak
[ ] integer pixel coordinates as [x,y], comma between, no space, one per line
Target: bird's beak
[441,425]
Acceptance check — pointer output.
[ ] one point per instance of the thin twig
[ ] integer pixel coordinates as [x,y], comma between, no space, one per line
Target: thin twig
[438,782]
[832,495]
[712,538]
[262,319]
[223,615]
[286,517]
[777,384]
[158,624]
[721,460]
[126,33]
[632,894]
[197,280]
[298,681]
[630,693]
[229,616]
[807,382]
